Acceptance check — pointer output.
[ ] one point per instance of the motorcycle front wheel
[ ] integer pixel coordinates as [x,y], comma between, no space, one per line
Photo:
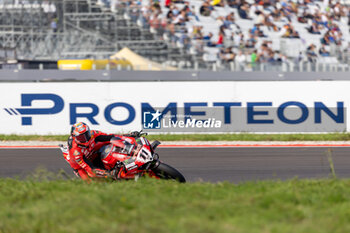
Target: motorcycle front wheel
[164,171]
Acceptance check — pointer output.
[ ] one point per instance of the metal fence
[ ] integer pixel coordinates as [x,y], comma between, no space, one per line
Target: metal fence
[195,66]
[145,76]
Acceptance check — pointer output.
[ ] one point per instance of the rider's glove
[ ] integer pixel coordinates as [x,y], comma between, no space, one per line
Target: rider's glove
[115,173]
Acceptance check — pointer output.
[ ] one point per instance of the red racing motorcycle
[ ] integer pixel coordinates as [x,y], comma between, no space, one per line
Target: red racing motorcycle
[137,157]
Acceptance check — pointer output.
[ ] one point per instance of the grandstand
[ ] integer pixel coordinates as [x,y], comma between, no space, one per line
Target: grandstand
[235,35]
[73,29]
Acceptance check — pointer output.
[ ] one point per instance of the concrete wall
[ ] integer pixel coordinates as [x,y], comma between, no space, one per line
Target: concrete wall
[114,75]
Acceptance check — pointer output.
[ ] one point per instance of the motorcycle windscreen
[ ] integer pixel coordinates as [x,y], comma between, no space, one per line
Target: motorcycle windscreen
[122,146]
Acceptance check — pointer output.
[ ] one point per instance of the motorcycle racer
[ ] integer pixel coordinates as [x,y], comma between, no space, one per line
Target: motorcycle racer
[124,157]
[83,145]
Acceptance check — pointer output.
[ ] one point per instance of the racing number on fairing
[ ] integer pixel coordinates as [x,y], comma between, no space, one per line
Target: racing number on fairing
[144,156]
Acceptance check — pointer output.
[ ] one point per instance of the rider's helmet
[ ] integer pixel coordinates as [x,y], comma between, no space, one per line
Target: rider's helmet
[81,133]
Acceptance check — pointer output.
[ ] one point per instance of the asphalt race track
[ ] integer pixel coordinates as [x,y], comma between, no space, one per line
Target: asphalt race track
[207,164]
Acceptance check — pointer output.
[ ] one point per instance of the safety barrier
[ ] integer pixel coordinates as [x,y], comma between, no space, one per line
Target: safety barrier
[191,75]
[172,106]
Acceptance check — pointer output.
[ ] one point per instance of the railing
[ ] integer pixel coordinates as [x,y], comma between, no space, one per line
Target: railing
[265,67]
[196,66]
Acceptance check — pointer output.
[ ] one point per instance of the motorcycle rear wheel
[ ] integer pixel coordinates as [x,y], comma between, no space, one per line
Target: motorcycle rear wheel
[166,172]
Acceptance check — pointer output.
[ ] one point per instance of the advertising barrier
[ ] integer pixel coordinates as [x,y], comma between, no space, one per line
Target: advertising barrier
[167,107]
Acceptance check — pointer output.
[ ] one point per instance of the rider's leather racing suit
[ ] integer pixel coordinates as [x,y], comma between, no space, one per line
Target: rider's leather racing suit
[83,158]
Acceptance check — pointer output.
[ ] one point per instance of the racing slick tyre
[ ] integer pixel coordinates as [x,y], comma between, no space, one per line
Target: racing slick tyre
[164,171]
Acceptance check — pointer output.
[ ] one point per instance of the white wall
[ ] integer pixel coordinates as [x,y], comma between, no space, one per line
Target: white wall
[158,94]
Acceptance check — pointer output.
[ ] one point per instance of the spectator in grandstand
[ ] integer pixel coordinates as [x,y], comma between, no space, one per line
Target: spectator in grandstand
[254,57]
[323,51]
[243,11]
[228,20]
[233,3]
[155,21]
[262,19]
[170,33]
[208,40]
[314,28]
[289,31]
[335,35]
[271,57]
[53,25]
[311,53]
[254,8]
[181,19]
[144,16]
[319,19]
[255,31]
[197,33]
[269,23]
[227,55]
[266,51]
[276,14]
[174,10]
[299,58]
[289,9]
[220,41]
[190,11]
[242,42]
[330,25]
[184,39]
[338,11]
[263,52]
[169,17]
[235,39]
[205,9]
[240,58]
[305,16]
[330,37]
[220,20]
[133,13]
[155,8]
[178,21]
[250,43]
[280,58]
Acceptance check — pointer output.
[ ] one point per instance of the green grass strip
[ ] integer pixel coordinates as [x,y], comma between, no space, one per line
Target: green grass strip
[151,206]
[207,137]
